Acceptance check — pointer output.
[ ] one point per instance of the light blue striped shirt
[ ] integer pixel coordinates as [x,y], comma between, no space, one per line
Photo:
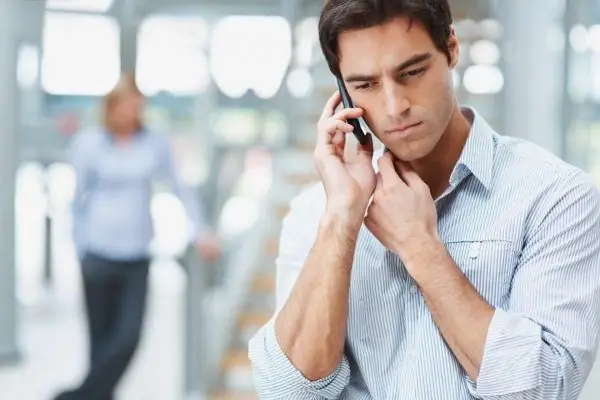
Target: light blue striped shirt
[111,207]
[524,227]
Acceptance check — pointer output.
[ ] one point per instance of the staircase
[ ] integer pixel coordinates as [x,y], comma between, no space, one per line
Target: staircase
[294,172]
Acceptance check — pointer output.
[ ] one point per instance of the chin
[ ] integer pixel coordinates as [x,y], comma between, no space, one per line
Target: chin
[409,152]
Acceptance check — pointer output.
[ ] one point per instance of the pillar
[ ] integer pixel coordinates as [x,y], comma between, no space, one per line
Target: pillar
[533,70]
[8,162]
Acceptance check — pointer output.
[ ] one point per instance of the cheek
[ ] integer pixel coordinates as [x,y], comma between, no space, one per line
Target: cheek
[440,95]
[372,116]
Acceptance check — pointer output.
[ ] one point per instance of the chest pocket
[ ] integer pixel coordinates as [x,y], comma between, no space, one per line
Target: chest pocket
[488,264]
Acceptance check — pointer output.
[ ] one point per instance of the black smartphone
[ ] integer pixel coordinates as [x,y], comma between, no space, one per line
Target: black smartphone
[361,135]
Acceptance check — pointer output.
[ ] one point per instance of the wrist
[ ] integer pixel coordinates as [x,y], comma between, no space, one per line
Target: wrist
[345,219]
[420,252]
[352,210]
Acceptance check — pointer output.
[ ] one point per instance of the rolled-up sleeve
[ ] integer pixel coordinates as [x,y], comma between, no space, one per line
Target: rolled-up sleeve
[543,345]
[275,377]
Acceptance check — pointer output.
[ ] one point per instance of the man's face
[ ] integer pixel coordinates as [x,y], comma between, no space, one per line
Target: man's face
[402,82]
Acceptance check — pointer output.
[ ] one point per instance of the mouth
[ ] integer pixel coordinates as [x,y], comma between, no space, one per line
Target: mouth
[403,130]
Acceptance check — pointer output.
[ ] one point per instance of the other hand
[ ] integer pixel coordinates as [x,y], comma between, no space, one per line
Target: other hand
[209,248]
[402,214]
[348,184]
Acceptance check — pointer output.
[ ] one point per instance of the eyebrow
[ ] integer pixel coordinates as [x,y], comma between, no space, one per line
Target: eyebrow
[416,59]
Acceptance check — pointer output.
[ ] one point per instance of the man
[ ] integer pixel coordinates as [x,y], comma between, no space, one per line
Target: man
[467,267]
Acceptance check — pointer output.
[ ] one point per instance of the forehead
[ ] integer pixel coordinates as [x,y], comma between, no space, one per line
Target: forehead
[382,46]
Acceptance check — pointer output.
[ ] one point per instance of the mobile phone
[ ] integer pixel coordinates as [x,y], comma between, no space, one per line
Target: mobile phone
[360,134]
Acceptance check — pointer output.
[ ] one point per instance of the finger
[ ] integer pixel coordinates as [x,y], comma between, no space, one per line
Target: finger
[331,105]
[408,174]
[378,186]
[330,127]
[388,173]
[371,224]
[346,113]
[339,139]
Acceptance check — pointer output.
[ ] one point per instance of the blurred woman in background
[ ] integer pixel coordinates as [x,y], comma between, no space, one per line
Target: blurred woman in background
[116,166]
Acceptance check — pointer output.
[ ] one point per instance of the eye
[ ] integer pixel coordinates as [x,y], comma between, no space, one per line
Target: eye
[412,73]
[363,86]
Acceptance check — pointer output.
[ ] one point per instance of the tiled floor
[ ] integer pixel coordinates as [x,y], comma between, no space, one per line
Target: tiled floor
[53,342]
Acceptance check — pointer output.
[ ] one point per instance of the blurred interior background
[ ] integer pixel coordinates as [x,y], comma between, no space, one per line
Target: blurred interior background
[237,86]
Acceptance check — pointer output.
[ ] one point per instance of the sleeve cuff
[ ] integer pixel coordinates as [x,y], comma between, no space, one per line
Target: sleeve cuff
[281,373]
[512,357]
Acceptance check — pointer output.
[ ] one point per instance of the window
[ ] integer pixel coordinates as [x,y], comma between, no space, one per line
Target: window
[171,55]
[300,82]
[250,53]
[80,5]
[27,66]
[307,50]
[81,54]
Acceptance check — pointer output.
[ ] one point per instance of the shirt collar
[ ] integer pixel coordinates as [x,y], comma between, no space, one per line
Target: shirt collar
[477,156]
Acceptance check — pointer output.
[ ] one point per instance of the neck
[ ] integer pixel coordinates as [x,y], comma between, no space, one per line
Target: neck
[124,132]
[436,167]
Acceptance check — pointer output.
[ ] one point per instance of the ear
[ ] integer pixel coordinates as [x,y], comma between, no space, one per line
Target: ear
[454,47]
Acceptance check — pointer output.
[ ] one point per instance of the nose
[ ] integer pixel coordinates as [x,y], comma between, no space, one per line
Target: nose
[396,102]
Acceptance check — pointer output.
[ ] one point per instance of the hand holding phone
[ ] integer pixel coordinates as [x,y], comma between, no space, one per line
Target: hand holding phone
[361,136]
[348,179]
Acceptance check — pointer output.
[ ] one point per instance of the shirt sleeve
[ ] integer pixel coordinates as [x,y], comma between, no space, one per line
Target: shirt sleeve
[543,345]
[191,202]
[275,377]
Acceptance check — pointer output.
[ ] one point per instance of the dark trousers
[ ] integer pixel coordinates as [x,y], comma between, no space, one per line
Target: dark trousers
[115,298]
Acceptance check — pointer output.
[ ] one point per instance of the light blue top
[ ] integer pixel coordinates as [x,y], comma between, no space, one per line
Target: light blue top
[111,208]
[524,227]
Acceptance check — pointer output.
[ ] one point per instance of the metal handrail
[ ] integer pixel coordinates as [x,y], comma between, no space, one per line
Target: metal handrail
[211,311]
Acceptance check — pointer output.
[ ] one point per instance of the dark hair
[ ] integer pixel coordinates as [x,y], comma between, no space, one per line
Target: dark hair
[340,16]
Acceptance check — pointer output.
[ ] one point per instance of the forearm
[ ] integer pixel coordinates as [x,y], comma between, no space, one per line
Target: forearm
[462,316]
[507,356]
[311,327]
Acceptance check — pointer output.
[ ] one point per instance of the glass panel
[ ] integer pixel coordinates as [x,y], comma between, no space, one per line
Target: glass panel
[81,54]
[171,55]
[80,5]
[250,53]
[237,126]
[27,66]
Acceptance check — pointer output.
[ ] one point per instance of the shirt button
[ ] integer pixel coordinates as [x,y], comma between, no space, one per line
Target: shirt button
[474,250]
[413,288]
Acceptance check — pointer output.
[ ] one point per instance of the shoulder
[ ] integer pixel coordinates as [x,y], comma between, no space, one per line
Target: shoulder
[524,162]
[87,140]
[537,177]
[158,140]
[91,135]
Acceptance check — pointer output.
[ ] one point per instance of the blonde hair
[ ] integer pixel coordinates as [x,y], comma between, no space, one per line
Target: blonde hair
[126,86]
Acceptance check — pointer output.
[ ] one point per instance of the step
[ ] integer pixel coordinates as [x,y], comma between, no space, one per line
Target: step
[233,395]
[235,358]
[251,319]
[282,211]
[301,180]
[272,245]
[263,282]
